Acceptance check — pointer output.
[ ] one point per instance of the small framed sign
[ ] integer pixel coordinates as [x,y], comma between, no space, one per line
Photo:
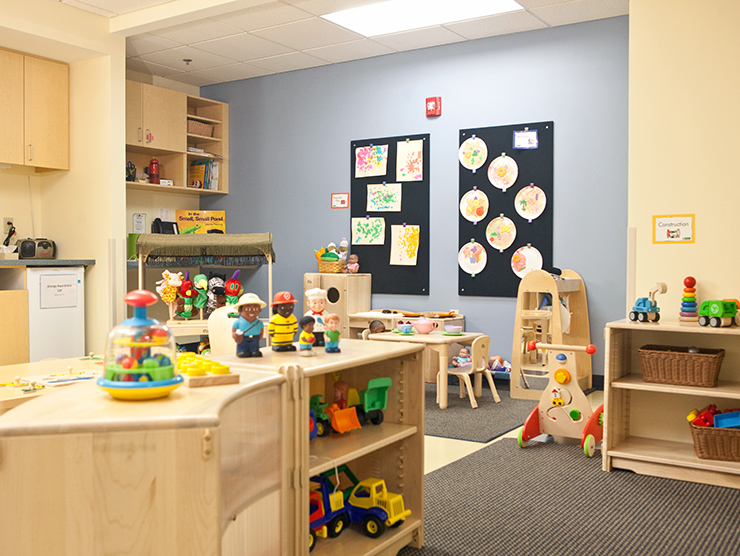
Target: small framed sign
[340,200]
[526,139]
[673,228]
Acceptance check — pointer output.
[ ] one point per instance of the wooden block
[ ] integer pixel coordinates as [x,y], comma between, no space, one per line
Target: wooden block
[211,380]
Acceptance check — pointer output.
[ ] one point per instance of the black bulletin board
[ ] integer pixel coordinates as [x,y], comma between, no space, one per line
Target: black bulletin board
[375,259]
[535,166]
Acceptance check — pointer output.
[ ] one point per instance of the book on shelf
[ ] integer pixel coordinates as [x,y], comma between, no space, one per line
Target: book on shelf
[197,174]
[213,182]
[195,150]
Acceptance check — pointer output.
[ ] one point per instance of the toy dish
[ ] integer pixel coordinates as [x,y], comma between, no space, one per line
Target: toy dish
[140,390]
[452,333]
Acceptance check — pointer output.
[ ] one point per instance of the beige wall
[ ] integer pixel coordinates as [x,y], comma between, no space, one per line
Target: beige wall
[684,113]
[80,209]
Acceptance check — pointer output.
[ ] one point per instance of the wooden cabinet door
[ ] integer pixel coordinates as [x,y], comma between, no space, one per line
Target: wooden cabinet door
[164,117]
[134,126]
[46,97]
[11,107]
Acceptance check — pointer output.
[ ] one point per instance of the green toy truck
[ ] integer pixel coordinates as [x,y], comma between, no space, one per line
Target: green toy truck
[718,312]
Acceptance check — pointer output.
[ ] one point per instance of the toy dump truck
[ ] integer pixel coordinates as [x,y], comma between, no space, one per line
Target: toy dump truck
[718,312]
[327,514]
[368,405]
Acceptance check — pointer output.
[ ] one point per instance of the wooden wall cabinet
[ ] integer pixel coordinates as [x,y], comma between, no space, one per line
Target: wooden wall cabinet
[645,428]
[35,111]
[157,127]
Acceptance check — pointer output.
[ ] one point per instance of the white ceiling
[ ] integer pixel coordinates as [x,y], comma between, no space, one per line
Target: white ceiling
[240,39]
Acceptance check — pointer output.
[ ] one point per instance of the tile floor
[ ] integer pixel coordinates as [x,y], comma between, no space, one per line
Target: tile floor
[439,452]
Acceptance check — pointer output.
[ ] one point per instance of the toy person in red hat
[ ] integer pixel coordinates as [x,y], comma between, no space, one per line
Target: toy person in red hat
[283,323]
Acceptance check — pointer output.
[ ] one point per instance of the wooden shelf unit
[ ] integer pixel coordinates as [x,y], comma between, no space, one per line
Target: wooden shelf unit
[393,450]
[162,134]
[645,427]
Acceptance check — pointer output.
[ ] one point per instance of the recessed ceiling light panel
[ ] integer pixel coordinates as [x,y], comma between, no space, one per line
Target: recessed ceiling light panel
[393,16]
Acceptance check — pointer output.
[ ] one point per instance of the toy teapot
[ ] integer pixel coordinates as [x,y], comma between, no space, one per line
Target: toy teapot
[424,325]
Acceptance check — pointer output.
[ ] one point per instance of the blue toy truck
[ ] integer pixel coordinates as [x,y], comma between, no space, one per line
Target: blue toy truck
[646,308]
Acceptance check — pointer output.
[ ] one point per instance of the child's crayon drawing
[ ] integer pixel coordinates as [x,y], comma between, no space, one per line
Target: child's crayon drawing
[409,160]
[371,161]
[368,231]
[404,244]
[384,197]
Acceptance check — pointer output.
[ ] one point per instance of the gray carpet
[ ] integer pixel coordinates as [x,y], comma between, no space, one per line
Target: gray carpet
[461,421]
[549,499]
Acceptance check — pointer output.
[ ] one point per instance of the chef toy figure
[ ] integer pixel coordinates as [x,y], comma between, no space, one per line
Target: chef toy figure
[317,304]
[247,330]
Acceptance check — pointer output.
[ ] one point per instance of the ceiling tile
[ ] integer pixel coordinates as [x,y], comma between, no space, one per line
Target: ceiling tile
[527,4]
[233,72]
[199,59]
[142,66]
[88,8]
[267,15]
[146,44]
[288,62]
[193,79]
[197,31]
[418,38]
[581,10]
[350,51]
[309,33]
[503,24]
[323,7]
[242,47]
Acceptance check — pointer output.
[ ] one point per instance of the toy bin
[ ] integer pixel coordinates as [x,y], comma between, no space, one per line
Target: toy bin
[332,267]
[676,365]
[716,443]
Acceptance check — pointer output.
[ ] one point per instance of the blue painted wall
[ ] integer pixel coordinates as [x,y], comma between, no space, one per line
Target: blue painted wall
[290,138]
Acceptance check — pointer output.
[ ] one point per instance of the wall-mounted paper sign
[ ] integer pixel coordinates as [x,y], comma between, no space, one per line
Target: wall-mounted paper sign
[526,139]
[340,200]
[58,290]
[675,228]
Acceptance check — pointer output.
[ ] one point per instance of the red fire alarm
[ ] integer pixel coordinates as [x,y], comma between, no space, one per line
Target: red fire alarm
[434,106]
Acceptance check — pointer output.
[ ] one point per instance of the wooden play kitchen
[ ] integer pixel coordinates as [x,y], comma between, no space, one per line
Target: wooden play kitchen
[208,470]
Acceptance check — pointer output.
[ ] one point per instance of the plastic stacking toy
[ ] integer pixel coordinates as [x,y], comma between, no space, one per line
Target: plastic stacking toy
[140,355]
[689,309]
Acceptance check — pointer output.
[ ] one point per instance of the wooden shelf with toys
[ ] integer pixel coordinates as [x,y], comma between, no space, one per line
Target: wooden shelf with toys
[647,401]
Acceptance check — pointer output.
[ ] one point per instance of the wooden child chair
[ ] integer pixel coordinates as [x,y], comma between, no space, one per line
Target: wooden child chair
[479,365]
[219,331]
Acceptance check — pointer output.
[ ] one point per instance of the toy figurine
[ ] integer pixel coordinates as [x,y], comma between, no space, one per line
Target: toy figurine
[200,283]
[317,304]
[216,292]
[247,330]
[462,359]
[233,288]
[187,294]
[283,323]
[341,394]
[331,334]
[343,249]
[168,287]
[376,327]
[306,338]
[353,265]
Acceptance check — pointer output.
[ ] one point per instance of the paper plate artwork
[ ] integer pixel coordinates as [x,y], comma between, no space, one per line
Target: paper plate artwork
[501,232]
[526,259]
[474,205]
[530,202]
[472,257]
[473,153]
[502,172]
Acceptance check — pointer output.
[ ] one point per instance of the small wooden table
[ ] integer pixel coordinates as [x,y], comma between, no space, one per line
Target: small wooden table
[438,342]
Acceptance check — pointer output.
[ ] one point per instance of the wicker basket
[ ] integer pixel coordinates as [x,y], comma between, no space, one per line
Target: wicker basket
[675,365]
[331,267]
[712,443]
[199,128]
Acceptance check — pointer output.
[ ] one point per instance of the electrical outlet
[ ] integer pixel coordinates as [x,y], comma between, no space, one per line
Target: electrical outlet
[7,220]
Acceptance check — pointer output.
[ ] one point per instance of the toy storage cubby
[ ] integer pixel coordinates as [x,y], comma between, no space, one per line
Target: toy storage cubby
[392,451]
[645,428]
[346,294]
[539,293]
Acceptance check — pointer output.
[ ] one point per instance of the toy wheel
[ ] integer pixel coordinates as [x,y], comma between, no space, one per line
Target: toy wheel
[311,540]
[520,438]
[322,428]
[657,317]
[337,525]
[715,322]
[703,320]
[589,446]
[373,527]
[642,317]
[633,316]
[376,417]
[398,523]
